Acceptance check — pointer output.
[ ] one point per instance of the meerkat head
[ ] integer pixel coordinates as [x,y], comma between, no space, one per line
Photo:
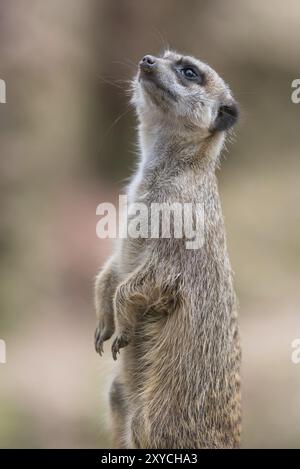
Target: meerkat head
[184,93]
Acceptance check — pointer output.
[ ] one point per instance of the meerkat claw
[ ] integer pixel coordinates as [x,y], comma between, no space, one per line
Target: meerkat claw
[118,343]
[99,342]
[102,334]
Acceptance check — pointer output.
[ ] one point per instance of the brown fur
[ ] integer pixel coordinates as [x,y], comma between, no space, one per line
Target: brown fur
[172,309]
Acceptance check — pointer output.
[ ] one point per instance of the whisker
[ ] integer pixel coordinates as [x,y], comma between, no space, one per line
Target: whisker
[162,39]
[129,64]
[109,81]
[114,123]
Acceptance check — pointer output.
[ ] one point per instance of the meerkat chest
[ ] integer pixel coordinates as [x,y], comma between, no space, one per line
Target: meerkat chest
[166,187]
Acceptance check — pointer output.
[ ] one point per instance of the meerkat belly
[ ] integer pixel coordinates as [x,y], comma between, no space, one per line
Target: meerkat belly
[175,384]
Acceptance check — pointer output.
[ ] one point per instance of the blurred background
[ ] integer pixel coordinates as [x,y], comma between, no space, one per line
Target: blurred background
[67,144]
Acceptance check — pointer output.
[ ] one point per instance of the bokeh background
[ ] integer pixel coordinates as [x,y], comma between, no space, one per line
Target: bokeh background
[67,144]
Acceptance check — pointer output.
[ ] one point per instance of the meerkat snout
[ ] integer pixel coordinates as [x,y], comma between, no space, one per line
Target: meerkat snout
[147,63]
[185,92]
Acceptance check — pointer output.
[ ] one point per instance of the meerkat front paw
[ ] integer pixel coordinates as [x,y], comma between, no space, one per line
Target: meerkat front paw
[102,334]
[119,342]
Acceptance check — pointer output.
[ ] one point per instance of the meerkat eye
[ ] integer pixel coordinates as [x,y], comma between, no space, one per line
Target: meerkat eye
[189,73]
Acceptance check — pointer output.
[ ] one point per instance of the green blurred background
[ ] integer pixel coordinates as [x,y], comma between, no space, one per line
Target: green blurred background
[66,65]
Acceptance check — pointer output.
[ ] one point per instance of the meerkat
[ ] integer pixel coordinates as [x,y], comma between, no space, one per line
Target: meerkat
[173,310]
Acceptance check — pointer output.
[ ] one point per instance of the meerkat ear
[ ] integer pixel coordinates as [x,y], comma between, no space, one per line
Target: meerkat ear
[227,116]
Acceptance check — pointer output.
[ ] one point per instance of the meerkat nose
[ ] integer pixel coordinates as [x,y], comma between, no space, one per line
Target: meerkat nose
[147,62]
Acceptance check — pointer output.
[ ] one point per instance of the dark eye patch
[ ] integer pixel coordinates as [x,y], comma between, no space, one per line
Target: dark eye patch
[189,72]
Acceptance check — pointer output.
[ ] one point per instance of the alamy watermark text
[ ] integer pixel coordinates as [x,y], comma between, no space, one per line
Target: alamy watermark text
[2,91]
[154,220]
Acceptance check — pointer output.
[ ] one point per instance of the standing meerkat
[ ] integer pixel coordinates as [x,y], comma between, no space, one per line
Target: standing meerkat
[173,309]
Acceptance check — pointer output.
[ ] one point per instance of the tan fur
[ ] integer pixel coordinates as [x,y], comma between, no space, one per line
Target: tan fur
[172,309]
